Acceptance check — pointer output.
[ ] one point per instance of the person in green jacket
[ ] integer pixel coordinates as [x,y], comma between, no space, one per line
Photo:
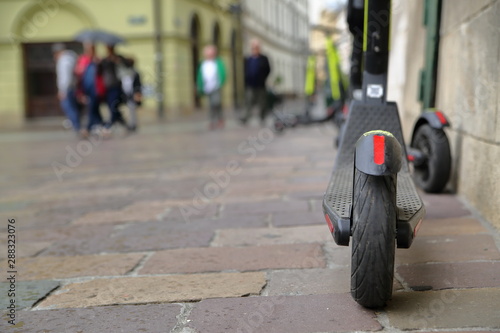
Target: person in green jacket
[209,81]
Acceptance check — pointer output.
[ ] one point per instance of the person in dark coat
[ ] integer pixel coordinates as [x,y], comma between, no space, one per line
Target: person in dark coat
[257,70]
[109,69]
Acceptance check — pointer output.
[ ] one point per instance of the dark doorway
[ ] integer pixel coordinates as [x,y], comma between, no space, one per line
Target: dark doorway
[40,79]
[234,68]
[216,36]
[195,54]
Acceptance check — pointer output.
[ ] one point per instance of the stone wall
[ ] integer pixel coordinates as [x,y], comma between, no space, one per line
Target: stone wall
[468,90]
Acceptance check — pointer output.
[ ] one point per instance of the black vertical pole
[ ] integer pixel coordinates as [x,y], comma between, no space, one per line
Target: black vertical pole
[355,20]
[376,44]
[158,56]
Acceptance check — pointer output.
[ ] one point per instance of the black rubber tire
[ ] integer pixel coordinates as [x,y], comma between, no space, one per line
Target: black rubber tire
[433,175]
[373,239]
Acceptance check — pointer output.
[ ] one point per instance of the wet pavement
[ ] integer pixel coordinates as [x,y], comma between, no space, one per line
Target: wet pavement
[179,229]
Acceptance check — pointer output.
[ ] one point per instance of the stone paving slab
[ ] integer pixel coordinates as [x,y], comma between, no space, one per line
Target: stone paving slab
[310,281]
[44,195]
[305,187]
[305,195]
[11,205]
[255,184]
[337,255]
[44,268]
[27,249]
[136,237]
[453,248]
[155,289]
[313,281]
[263,195]
[196,260]
[225,222]
[50,219]
[68,232]
[121,318]
[26,293]
[189,210]
[466,308]
[133,213]
[452,275]
[265,207]
[154,236]
[451,226]
[268,236]
[443,206]
[297,218]
[291,314]
[80,240]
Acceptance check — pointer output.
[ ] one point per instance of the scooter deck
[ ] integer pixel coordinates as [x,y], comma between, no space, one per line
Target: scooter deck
[337,201]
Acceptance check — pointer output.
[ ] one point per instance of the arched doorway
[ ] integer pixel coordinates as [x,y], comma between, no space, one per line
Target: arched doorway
[33,26]
[195,54]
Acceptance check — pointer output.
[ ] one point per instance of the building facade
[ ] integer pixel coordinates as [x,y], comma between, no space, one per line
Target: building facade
[164,36]
[282,26]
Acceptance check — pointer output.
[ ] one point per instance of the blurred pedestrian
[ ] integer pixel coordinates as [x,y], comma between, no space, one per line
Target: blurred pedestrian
[257,70]
[210,79]
[132,90]
[90,84]
[109,67]
[65,64]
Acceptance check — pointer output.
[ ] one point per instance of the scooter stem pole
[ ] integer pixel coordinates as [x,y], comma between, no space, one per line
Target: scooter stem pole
[376,43]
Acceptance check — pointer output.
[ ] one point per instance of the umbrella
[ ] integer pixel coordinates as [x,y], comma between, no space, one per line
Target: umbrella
[95,35]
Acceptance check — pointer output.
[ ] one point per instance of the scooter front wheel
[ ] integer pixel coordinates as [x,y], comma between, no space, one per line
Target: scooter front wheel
[373,239]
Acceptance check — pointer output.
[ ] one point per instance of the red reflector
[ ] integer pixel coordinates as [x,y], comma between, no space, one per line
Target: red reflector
[329,222]
[345,109]
[417,227]
[411,158]
[379,149]
[441,117]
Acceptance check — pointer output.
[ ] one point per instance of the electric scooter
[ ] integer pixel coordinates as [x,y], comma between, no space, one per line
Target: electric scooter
[336,103]
[334,114]
[371,196]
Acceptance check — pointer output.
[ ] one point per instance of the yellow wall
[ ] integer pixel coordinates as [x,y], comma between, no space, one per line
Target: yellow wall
[24,21]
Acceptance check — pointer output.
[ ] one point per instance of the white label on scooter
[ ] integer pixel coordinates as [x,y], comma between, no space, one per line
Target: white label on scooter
[375,91]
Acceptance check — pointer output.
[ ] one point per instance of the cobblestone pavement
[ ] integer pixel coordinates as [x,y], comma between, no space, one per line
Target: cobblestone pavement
[179,229]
